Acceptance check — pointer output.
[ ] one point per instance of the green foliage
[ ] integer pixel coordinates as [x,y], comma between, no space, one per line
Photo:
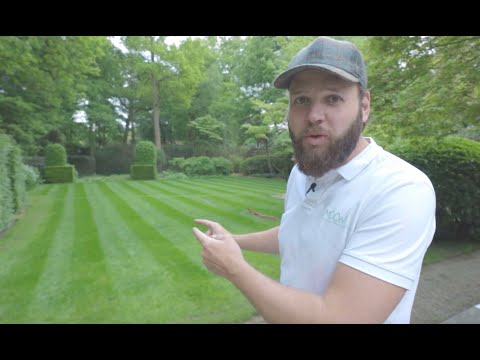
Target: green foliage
[32,176]
[202,165]
[17,178]
[114,159]
[60,174]
[258,165]
[207,128]
[255,165]
[171,175]
[161,159]
[453,166]
[6,194]
[178,151]
[143,172]
[55,155]
[145,153]
[423,85]
[84,164]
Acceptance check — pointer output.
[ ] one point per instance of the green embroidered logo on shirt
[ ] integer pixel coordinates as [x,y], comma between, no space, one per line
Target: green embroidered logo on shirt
[334,217]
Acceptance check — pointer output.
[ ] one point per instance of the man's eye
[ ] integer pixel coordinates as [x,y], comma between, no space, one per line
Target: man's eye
[301,100]
[334,99]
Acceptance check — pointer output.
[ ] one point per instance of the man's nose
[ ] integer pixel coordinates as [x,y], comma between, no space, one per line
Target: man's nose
[316,113]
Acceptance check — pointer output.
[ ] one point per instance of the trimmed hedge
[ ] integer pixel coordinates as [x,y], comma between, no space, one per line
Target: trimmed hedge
[143,172]
[55,155]
[59,174]
[145,153]
[6,194]
[114,159]
[12,181]
[453,166]
[84,164]
[17,178]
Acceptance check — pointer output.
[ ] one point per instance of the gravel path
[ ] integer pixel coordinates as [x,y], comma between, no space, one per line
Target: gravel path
[446,288]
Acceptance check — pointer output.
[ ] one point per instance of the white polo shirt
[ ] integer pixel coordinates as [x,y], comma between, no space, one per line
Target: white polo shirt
[375,214]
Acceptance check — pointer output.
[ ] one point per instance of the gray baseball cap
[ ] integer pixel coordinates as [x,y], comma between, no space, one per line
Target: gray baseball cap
[340,57]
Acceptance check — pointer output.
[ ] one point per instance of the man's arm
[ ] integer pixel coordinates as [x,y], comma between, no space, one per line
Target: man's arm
[263,241]
[352,297]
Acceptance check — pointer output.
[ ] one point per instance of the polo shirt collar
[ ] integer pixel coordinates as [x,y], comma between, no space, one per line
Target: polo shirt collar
[359,162]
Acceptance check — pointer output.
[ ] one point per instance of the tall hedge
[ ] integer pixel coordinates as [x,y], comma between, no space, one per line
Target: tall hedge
[17,178]
[114,159]
[145,153]
[6,194]
[55,155]
[453,166]
[12,181]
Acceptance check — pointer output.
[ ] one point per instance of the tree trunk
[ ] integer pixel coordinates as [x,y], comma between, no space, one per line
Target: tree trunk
[268,158]
[156,114]
[127,127]
[91,138]
[156,106]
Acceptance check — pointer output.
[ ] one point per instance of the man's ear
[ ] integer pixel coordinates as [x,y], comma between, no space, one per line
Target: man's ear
[365,106]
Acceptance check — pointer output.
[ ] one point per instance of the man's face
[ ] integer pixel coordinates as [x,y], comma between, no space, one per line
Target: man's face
[325,120]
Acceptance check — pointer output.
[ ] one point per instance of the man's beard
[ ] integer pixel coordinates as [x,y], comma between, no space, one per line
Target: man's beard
[315,161]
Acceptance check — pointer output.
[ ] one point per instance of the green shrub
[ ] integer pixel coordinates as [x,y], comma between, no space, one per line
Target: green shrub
[55,155]
[32,176]
[143,172]
[170,175]
[202,165]
[84,164]
[145,153]
[453,166]
[176,164]
[161,159]
[60,174]
[114,159]
[6,194]
[17,178]
[255,165]
[222,166]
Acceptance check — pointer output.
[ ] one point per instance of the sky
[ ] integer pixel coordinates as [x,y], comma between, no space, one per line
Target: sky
[170,40]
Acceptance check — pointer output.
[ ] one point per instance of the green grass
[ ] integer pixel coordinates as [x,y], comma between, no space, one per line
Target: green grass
[103,251]
[112,250]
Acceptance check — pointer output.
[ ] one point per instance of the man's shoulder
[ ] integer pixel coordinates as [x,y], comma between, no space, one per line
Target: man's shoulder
[396,169]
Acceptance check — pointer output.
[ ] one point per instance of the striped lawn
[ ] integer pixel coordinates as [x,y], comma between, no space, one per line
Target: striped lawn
[123,251]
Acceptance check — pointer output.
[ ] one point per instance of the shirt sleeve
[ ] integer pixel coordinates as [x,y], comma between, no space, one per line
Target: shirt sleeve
[393,233]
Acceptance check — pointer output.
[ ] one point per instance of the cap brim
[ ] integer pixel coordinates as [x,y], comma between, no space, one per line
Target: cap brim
[283,80]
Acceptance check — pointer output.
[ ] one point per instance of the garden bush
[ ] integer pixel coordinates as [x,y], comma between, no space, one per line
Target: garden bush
[453,165]
[55,155]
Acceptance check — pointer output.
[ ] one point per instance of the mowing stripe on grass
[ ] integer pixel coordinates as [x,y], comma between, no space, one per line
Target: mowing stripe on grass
[201,207]
[259,184]
[194,282]
[22,266]
[90,285]
[234,189]
[233,197]
[268,182]
[228,202]
[233,186]
[139,281]
[50,298]
[157,217]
